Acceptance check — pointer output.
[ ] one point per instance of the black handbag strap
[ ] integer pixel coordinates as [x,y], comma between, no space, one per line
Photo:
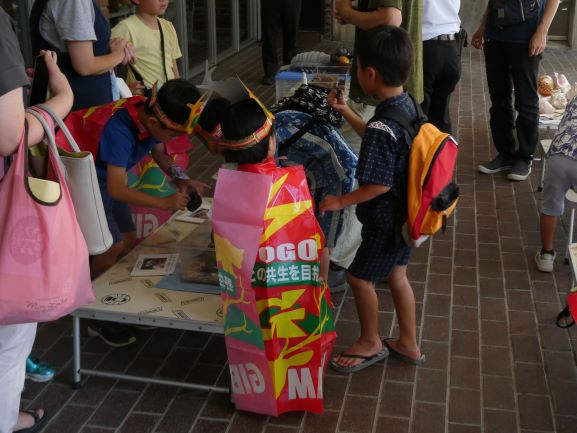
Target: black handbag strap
[137,75]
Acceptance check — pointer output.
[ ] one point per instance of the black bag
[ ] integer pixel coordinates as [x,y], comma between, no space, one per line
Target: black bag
[512,12]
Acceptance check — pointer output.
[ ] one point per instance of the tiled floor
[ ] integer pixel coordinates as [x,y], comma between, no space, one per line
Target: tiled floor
[496,363]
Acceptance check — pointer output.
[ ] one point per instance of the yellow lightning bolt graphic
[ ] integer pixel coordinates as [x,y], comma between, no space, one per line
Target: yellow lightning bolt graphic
[282,323]
[282,214]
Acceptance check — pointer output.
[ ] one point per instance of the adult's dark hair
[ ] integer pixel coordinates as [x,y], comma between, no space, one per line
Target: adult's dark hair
[241,120]
[213,113]
[173,98]
[389,50]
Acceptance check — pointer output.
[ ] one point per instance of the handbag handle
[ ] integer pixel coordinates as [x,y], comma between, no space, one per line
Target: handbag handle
[60,124]
[49,134]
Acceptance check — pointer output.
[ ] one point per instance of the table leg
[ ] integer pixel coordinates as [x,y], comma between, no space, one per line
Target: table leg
[76,351]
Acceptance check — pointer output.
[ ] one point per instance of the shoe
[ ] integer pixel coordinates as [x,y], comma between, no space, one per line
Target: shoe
[520,171]
[38,371]
[367,361]
[268,80]
[500,163]
[396,354]
[113,334]
[545,261]
[38,422]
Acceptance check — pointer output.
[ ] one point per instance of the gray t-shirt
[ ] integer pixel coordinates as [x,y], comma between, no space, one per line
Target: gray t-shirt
[67,20]
[12,74]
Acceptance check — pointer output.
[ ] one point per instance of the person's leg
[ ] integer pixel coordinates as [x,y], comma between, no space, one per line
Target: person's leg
[430,70]
[404,301]
[547,226]
[559,177]
[445,83]
[15,344]
[369,342]
[524,70]
[497,65]
[290,23]
[270,24]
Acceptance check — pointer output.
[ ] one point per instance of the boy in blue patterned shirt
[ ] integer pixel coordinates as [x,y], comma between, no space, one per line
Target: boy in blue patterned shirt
[561,175]
[384,60]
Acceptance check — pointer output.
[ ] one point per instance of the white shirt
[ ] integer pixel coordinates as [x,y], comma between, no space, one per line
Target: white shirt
[440,17]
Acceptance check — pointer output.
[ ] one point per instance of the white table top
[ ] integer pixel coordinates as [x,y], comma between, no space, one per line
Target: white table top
[123,298]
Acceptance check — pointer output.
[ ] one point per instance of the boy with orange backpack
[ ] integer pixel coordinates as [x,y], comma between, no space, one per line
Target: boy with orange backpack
[384,60]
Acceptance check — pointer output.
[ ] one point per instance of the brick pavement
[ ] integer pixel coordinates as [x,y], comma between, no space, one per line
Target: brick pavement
[495,361]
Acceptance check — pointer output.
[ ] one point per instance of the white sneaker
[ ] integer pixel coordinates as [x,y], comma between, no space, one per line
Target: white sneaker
[545,261]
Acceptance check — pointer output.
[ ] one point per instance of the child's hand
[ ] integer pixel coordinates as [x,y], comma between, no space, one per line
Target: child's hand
[178,200]
[330,203]
[137,88]
[337,103]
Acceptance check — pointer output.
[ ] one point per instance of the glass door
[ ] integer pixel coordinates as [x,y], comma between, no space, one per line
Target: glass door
[560,26]
[216,29]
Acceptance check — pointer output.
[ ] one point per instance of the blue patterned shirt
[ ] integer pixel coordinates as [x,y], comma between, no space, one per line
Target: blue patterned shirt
[565,141]
[383,160]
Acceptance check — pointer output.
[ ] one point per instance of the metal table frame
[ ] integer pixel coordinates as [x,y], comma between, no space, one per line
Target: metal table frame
[133,319]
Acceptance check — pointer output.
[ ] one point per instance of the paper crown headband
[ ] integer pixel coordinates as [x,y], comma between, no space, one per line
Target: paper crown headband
[231,90]
[195,112]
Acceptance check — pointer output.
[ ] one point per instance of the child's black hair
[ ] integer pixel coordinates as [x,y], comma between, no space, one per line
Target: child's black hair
[389,50]
[213,113]
[173,98]
[241,120]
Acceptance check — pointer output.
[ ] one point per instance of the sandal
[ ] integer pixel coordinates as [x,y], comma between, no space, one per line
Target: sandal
[396,354]
[367,361]
[38,422]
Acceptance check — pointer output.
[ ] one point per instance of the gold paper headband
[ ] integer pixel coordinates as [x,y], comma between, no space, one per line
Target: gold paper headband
[188,127]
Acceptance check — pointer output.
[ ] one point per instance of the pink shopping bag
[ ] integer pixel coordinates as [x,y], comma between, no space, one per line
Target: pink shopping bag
[44,271]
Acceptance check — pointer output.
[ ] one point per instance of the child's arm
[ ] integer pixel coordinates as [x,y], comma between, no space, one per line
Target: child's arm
[119,190]
[365,192]
[166,164]
[341,106]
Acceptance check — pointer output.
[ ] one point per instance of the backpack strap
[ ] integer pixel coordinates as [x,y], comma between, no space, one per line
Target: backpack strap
[298,135]
[402,118]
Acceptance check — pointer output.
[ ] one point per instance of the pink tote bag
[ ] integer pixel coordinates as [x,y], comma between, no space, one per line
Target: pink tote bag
[44,270]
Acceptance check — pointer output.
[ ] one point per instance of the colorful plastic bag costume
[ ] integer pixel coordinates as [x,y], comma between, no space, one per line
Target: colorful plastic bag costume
[278,320]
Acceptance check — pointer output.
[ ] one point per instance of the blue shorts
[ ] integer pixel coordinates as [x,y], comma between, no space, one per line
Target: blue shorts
[118,216]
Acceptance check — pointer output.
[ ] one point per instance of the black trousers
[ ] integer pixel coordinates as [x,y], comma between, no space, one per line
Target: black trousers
[510,70]
[441,73]
[277,15]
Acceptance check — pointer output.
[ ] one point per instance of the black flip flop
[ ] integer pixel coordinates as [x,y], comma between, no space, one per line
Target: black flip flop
[367,361]
[419,361]
[38,422]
